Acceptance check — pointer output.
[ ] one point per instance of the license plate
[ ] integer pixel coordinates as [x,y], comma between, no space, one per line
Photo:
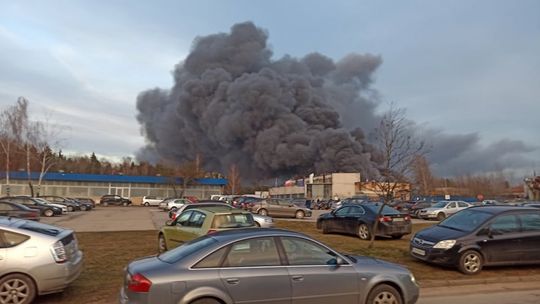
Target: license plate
[398,219]
[418,251]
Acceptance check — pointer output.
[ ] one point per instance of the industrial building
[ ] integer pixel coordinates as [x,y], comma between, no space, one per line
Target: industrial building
[96,185]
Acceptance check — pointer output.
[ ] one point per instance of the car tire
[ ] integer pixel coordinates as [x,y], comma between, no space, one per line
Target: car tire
[206,301]
[125,204]
[105,204]
[384,294]
[257,224]
[397,237]
[146,204]
[83,208]
[363,232]
[162,245]
[471,262]
[48,213]
[263,212]
[325,229]
[441,216]
[69,208]
[24,286]
[299,214]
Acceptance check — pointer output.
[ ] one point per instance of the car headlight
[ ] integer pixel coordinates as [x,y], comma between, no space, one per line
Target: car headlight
[447,244]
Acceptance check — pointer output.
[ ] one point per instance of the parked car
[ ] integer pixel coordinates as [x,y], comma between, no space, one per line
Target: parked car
[414,210]
[151,201]
[85,206]
[30,202]
[276,207]
[264,266]
[36,259]
[246,202]
[113,199]
[481,236]
[442,210]
[174,204]
[194,223]
[70,205]
[46,202]
[535,205]
[18,210]
[260,220]
[86,200]
[358,219]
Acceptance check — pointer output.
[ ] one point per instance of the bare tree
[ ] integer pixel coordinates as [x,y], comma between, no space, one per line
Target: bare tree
[423,179]
[397,148]
[46,139]
[233,178]
[12,124]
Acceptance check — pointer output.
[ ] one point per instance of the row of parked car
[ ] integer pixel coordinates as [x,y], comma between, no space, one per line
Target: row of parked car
[33,208]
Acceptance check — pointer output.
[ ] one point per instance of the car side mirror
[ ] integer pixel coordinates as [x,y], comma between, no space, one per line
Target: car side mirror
[340,261]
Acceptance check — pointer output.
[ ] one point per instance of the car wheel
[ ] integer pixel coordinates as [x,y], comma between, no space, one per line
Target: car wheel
[257,224]
[470,262]
[162,245]
[299,214]
[206,301]
[363,232]
[441,216]
[263,212]
[125,204]
[105,204]
[70,208]
[83,208]
[325,229]
[397,237]
[48,213]
[384,294]
[146,204]
[17,288]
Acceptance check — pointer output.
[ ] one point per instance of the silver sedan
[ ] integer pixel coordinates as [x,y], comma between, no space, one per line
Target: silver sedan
[35,259]
[264,266]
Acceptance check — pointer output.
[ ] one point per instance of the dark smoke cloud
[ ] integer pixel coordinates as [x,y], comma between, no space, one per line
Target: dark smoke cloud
[233,104]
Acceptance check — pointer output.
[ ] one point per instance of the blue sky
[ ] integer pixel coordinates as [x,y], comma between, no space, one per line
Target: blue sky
[459,66]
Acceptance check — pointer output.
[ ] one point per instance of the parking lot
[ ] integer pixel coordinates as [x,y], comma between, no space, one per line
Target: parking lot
[134,219]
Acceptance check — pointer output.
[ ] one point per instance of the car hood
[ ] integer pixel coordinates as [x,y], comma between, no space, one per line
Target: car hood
[438,233]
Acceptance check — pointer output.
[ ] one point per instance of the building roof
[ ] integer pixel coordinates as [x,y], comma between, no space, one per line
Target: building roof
[78,177]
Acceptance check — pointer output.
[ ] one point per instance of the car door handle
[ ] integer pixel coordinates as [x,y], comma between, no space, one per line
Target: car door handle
[232,281]
[298,278]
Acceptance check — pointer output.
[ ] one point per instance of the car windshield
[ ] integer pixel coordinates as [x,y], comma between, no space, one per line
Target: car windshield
[466,220]
[387,210]
[440,205]
[235,220]
[186,249]
[41,228]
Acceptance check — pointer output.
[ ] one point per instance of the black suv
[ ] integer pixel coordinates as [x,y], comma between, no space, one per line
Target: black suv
[481,236]
[29,202]
[112,199]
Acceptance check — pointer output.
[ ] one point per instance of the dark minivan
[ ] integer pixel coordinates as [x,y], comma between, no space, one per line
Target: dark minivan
[481,236]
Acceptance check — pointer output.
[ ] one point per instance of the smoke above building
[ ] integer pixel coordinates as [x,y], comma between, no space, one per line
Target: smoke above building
[232,104]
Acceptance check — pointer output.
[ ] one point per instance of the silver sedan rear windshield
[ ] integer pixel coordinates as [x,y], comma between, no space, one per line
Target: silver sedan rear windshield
[186,249]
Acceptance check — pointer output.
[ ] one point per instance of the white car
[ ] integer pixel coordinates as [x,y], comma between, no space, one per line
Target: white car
[46,202]
[173,204]
[443,209]
[151,201]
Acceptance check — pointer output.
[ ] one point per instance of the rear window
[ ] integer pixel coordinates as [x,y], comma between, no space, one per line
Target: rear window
[176,254]
[387,210]
[234,220]
[41,228]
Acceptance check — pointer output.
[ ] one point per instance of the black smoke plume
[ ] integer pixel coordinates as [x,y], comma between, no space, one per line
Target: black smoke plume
[233,104]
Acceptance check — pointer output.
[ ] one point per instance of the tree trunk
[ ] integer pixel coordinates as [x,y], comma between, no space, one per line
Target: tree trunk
[29,171]
[375,226]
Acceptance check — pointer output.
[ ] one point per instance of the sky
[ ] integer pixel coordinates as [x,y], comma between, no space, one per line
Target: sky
[461,67]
